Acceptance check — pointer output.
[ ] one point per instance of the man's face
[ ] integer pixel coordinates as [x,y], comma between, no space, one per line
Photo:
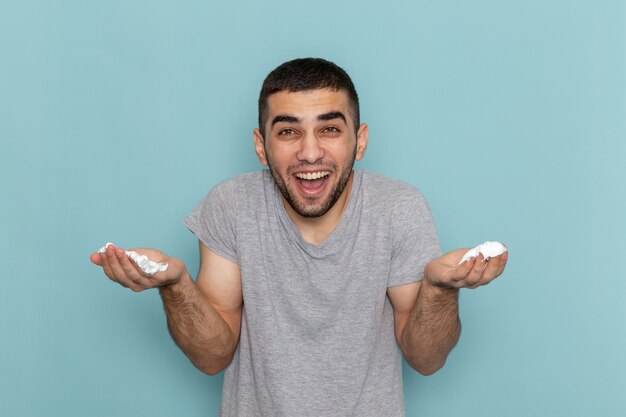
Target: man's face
[310,146]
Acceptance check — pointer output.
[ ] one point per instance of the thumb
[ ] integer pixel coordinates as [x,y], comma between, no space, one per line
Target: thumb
[95,258]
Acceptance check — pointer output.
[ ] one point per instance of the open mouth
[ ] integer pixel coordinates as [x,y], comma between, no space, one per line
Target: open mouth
[312,181]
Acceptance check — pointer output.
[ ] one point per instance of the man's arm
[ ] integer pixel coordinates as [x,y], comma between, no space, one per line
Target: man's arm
[204,318]
[426,313]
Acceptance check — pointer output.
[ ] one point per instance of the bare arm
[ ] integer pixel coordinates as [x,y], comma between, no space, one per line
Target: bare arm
[426,313]
[203,317]
[427,324]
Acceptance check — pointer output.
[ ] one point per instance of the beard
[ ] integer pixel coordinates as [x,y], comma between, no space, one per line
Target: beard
[312,207]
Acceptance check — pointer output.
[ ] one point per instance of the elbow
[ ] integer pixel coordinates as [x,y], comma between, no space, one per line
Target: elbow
[211,371]
[207,358]
[212,367]
[426,365]
[427,369]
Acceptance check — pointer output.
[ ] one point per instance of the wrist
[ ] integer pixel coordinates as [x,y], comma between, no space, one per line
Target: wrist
[179,273]
[435,289]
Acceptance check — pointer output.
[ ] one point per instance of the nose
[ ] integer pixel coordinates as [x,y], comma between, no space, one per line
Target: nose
[310,150]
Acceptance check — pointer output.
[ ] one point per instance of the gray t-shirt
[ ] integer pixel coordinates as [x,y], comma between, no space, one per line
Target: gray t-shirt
[317,332]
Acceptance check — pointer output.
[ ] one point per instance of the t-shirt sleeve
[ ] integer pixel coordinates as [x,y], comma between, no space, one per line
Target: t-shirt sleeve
[213,221]
[414,239]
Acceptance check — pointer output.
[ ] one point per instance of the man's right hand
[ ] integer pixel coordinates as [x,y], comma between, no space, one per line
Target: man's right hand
[121,269]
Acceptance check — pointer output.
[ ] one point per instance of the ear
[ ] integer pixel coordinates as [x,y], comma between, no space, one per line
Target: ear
[259,146]
[361,141]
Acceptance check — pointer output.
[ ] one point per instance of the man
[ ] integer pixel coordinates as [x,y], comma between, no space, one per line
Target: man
[313,277]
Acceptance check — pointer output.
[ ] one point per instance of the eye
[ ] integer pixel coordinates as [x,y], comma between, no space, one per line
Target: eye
[287,132]
[332,130]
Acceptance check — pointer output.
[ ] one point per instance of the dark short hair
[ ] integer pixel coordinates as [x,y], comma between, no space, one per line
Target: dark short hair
[304,74]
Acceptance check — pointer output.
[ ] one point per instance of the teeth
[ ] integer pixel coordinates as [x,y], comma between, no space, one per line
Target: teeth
[311,175]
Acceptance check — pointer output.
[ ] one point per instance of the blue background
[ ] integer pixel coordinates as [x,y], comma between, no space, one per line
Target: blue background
[509,115]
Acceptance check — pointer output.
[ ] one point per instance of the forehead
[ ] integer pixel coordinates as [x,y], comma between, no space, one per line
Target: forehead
[307,103]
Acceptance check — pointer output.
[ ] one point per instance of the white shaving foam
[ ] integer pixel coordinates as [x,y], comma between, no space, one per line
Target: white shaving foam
[488,249]
[146,265]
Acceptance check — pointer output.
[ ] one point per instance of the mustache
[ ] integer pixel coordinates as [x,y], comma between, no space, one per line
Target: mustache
[318,166]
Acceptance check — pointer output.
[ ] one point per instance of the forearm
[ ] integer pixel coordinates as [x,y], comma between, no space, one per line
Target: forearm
[432,329]
[196,327]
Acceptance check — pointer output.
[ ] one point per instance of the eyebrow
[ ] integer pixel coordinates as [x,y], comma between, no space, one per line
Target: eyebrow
[322,118]
[332,115]
[284,118]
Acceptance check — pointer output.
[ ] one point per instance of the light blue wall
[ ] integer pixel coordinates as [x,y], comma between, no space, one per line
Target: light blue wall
[510,116]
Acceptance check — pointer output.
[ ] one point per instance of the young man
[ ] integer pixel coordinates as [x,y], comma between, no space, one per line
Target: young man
[314,278]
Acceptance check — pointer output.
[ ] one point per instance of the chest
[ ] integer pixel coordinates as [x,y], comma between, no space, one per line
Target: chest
[314,291]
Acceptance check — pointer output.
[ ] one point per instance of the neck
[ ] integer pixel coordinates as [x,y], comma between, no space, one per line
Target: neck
[315,230]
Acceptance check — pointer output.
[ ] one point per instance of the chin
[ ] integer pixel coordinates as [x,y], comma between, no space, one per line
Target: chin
[310,209]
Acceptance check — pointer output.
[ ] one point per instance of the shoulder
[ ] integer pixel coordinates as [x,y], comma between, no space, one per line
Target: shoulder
[249,179]
[390,192]
[400,205]
[238,186]
[228,193]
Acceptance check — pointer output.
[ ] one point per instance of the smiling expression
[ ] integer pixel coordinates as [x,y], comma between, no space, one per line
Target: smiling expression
[310,146]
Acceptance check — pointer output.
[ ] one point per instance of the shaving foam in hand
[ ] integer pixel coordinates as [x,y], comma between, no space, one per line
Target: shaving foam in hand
[488,249]
[146,266]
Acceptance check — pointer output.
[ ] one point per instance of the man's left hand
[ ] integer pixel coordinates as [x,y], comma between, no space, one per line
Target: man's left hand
[446,271]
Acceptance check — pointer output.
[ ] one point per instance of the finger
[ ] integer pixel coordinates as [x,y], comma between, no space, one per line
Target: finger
[113,261]
[459,274]
[465,267]
[114,256]
[499,269]
[104,262]
[491,271]
[140,281]
[494,269]
[127,265]
[503,260]
[106,267]
[95,258]
[474,276]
